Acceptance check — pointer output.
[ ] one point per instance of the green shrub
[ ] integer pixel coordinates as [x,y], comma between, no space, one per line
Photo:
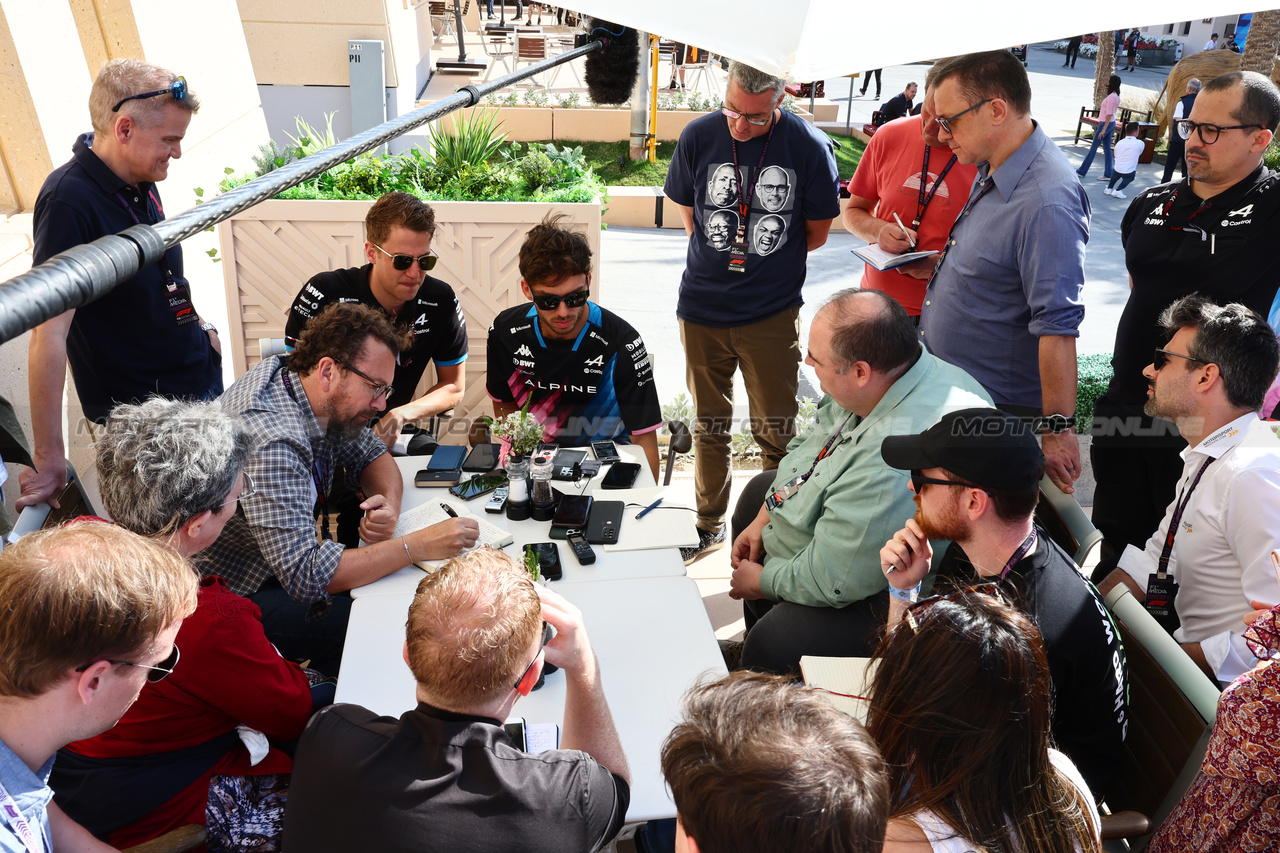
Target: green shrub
[1271,157]
[474,139]
[1094,374]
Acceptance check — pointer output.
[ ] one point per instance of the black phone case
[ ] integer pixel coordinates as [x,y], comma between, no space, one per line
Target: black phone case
[447,457]
[604,524]
[621,476]
[480,455]
[548,559]
[562,520]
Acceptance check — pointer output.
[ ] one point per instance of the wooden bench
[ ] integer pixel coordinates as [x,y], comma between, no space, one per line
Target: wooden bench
[1090,117]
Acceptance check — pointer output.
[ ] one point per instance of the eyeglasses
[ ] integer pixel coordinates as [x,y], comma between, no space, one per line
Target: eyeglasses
[918,479]
[914,615]
[758,122]
[157,673]
[550,302]
[403,262]
[248,491]
[546,638]
[379,389]
[1209,132]
[1162,358]
[178,88]
[945,123]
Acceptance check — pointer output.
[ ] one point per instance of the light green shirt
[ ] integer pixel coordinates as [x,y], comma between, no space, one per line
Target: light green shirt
[823,543]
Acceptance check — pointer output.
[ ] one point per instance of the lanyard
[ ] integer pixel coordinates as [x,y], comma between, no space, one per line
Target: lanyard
[922,203]
[826,450]
[744,205]
[1162,567]
[321,474]
[1023,550]
[19,822]
[986,187]
[168,274]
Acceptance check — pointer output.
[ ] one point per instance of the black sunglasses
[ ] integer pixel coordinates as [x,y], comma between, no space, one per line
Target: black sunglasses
[178,88]
[918,479]
[157,673]
[1162,358]
[403,262]
[546,638]
[945,123]
[550,302]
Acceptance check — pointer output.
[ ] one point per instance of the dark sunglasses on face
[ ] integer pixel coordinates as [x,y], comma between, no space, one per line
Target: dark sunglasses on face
[946,121]
[178,88]
[403,262]
[550,302]
[1162,358]
[157,672]
[918,479]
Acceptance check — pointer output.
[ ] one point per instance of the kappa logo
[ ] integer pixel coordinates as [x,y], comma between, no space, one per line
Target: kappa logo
[598,361]
[524,351]
[1242,211]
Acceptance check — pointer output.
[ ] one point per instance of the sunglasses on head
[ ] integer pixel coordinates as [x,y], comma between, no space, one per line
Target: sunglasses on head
[525,683]
[915,614]
[550,302]
[178,88]
[403,262]
[157,673]
[1161,358]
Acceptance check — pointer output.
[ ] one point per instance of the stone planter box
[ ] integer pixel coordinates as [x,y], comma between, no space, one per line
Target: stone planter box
[271,250]
[520,123]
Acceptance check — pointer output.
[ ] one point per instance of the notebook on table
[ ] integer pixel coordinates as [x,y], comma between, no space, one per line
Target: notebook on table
[844,682]
[432,512]
[669,525]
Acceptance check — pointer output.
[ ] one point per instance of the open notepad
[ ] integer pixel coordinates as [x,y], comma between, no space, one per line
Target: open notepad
[882,260]
[432,512]
[848,676]
[669,525]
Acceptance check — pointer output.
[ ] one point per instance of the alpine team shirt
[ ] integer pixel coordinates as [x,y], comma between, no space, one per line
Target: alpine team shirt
[597,386]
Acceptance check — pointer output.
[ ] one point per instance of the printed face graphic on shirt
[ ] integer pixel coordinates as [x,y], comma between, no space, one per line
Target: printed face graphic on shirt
[721,226]
[769,234]
[774,189]
[722,185]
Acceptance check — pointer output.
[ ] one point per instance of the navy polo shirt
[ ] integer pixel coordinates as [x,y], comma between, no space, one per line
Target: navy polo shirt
[127,345]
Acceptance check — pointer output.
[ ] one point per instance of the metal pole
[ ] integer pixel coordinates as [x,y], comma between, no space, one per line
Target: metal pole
[84,273]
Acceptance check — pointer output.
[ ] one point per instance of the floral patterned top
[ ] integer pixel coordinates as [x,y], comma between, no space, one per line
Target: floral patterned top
[1234,803]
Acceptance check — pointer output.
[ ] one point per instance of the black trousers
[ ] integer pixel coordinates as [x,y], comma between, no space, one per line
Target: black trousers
[867,80]
[779,633]
[1136,484]
[1073,53]
[1175,158]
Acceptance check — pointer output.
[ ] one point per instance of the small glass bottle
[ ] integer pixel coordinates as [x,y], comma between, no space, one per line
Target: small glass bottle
[541,497]
[518,483]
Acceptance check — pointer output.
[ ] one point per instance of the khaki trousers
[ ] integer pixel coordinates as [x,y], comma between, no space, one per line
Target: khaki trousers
[768,352]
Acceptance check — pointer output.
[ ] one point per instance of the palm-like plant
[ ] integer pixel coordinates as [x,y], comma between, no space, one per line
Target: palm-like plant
[473,140]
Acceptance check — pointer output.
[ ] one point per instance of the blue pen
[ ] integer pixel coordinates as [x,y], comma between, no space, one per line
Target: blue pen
[642,513]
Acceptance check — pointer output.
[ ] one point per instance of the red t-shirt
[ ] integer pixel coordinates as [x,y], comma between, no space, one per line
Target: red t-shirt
[889,173]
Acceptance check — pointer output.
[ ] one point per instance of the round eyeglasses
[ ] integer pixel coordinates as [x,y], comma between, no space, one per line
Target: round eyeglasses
[1209,133]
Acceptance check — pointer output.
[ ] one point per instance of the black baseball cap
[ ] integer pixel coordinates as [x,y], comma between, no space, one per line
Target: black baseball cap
[987,447]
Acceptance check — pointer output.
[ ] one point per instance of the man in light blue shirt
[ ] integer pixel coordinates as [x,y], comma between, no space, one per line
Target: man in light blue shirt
[1004,302]
[92,613]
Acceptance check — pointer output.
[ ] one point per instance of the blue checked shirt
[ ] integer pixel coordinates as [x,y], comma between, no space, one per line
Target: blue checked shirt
[274,532]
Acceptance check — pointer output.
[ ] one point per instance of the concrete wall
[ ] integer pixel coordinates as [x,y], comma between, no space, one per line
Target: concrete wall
[53,51]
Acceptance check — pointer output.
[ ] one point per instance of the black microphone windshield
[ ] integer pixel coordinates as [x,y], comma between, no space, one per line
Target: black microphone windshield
[611,71]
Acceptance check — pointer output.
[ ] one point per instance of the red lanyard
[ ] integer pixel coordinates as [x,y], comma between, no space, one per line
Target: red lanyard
[922,203]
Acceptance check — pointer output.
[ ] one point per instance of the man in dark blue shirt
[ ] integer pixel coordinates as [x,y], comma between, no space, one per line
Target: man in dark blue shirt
[145,336]
[756,189]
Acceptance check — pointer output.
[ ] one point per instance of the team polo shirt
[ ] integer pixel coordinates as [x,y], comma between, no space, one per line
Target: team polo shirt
[126,345]
[597,386]
[434,316]
[1232,262]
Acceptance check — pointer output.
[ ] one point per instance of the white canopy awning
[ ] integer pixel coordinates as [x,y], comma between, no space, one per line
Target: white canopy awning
[804,40]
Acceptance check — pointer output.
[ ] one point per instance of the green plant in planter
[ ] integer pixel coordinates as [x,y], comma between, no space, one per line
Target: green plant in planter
[1093,375]
[568,100]
[474,139]
[536,97]
[679,409]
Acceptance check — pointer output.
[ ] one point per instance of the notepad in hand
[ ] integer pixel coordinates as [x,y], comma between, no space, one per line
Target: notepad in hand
[846,679]
[432,512]
[882,260]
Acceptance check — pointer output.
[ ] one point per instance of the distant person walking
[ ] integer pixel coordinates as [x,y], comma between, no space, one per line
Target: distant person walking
[867,80]
[1073,51]
[1131,45]
[1106,127]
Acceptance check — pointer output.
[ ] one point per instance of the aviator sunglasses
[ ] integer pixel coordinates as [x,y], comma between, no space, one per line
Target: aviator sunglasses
[403,262]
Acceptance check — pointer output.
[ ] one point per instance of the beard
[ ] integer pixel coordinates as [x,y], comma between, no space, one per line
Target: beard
[339,431]
[946,526]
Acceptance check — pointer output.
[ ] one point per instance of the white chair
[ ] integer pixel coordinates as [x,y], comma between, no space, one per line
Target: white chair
[268,347]
[703,72]
[1066,523]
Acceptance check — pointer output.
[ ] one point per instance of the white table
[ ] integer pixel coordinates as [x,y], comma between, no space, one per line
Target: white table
[653,639]
[614,565]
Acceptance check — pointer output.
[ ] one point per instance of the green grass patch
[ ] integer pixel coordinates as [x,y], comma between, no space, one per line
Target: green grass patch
[848,154]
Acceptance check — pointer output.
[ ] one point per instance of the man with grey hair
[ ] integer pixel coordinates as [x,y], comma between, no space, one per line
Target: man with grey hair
[144,337]
[807,537]
[1176,156]
[739,303]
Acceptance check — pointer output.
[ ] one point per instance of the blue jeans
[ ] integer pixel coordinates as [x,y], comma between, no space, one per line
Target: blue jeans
[1101,137]
[284,623]
[1125,178]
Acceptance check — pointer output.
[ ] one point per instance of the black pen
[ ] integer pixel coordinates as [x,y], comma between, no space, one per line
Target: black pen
[448,509]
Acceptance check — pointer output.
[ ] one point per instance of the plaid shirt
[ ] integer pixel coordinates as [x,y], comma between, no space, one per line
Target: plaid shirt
[274,532]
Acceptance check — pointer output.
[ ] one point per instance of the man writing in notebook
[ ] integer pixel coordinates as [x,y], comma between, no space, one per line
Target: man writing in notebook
[308,413]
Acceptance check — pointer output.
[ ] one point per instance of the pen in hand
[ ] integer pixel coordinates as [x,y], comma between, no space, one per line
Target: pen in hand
[904,230]
[444,506]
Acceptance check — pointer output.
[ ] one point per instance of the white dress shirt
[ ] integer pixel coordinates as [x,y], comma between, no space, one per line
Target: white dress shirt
[1222,550]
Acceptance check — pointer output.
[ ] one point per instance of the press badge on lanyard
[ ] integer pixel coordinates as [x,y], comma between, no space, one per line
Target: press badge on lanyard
[738,248]
[177,293]
[789,488]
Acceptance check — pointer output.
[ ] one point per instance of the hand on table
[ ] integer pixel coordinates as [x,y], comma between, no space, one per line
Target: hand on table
[379,521]
[1062,458]
[569,649]
[444,540]
[745,583]
[905,558]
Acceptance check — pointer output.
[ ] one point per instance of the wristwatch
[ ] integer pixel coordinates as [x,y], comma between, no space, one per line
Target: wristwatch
[1057,423]
[208,327]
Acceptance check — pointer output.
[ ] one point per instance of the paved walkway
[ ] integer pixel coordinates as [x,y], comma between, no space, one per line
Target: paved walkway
[640,268]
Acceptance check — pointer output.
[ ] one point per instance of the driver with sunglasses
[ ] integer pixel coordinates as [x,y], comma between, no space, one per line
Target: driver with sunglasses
[580,369]
[976,478]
